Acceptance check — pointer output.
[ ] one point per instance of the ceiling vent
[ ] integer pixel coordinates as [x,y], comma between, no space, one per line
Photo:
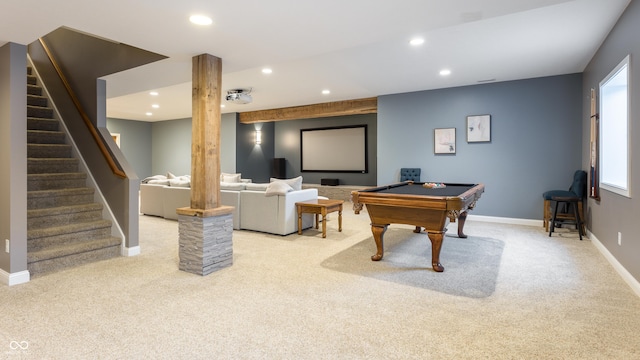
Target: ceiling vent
[239,96]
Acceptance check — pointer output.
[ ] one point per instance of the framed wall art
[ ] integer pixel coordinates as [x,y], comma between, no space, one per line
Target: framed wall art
[444,141]
[478,128]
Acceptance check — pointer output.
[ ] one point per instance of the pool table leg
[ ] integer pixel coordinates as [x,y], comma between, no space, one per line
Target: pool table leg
[436,245]
[461,219]
[378,232]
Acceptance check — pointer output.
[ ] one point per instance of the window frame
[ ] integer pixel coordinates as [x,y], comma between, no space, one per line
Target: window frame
[607,127]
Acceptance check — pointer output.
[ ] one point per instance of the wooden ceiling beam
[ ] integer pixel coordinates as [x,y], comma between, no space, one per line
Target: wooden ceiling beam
[336,108]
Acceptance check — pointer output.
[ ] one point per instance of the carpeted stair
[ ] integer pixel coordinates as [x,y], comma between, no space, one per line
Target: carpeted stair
[65,227]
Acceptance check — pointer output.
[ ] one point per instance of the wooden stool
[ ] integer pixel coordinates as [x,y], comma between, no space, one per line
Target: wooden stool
[567,217]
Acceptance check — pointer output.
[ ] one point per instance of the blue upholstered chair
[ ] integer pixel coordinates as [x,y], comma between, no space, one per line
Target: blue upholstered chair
[412,174]
[569,200]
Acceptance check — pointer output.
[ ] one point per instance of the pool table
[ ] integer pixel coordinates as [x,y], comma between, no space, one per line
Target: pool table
[412,203]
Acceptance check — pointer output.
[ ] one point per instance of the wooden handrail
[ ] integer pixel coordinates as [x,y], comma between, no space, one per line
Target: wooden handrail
[92,129]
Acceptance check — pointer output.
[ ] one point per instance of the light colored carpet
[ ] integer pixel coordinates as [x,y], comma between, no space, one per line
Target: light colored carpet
[471,264]
[554,298]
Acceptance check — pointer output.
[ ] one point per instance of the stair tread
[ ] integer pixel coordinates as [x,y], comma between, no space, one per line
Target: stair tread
[58,176]
[60,210]
[68,229]
[70,249]
[60,192]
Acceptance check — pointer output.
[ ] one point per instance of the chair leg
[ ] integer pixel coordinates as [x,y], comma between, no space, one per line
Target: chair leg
[582,226]
[578,219]
[553,220]
[545,215]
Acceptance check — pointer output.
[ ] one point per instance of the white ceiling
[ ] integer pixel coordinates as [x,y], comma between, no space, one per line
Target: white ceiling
[355,48]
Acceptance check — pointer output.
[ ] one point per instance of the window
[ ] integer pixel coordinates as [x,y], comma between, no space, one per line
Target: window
[614,130]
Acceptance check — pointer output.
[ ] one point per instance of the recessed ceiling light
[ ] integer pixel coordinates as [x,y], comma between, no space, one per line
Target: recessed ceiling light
[267,71]
[201,20]
[153,93]
[149,113]
[155,106]
[326,92]
[222,105]
[416,41]
[445,72]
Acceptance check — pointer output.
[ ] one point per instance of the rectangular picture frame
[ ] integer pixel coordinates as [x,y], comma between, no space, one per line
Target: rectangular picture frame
[478,128]
[444,141]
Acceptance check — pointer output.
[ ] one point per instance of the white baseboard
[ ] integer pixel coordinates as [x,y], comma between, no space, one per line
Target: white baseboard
[11,279]
[624,274]
[132,251]
[504,220]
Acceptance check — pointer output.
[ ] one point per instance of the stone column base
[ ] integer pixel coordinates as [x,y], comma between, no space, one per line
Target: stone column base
[206,243]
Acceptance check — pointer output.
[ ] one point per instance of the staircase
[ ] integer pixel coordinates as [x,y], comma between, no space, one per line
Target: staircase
[65,227]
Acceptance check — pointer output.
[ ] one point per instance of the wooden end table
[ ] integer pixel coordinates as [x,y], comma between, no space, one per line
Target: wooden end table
[320,207]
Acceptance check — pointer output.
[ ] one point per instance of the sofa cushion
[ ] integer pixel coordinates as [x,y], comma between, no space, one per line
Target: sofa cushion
[295,183]
[278,188]
[158,182]
[233,186]
[180,182]
[257,187]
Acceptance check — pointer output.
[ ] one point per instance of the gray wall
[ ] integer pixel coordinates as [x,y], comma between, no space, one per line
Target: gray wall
[254,161]
[535,140]
[615,213]
[13,158]
[165,146]
[287,145]
[135,143]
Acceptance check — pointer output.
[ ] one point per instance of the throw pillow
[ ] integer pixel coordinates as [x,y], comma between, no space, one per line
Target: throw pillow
[232,186]
[170,175]
[158,182]
[154,177]
[278,188]
[295,183]
[231,178]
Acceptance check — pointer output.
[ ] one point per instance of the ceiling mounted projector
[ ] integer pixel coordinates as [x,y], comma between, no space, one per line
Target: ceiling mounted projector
[239,96]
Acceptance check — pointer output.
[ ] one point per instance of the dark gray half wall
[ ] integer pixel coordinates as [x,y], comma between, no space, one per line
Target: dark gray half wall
[536,139]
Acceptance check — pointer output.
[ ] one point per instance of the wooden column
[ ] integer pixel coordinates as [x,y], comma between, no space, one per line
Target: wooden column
[205,138]
[206,228]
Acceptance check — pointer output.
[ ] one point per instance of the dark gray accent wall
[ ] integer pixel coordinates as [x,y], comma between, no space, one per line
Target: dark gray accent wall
[536,140]
[615,213]
[287,145]
[254,161]
[135,143]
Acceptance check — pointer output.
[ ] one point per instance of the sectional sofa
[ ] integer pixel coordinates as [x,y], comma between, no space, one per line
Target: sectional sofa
[268,207]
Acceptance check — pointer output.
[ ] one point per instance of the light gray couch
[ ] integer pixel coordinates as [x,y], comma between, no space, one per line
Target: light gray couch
[253,209]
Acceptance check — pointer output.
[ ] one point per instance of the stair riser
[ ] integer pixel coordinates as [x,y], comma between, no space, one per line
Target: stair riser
[45,137]
[34,90]
[51,265]
[42,222]
[39,101]
[48,151]
[42,184]
[39,112]
[31,80]
[42,124]
[55,201]
[53,166]
[66,239]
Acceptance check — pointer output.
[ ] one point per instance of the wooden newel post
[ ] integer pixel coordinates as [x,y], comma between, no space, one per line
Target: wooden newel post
[206,227]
